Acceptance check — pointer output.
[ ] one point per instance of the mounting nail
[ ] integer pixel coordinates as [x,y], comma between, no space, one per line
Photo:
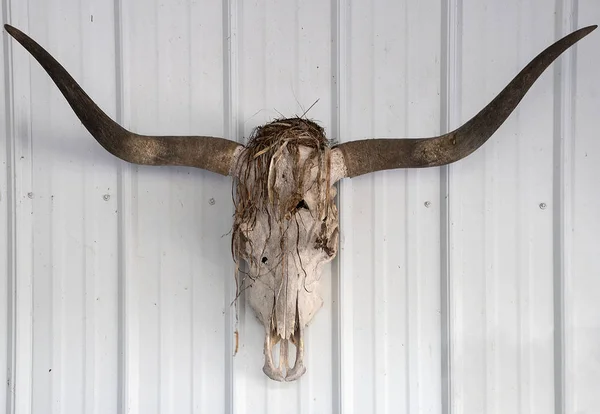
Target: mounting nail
[543,206]
[427,204]
[30,195]
[106,197]
[211,201]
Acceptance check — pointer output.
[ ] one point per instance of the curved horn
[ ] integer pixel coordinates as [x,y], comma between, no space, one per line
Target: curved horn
[365,156]
[209,153]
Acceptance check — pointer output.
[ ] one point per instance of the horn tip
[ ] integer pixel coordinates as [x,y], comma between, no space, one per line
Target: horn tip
[13,31]
[589,29]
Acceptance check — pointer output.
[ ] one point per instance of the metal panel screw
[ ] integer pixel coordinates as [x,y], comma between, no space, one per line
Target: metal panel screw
[106,197]
[30,195]
[211,201]
[427,204]
[543,206]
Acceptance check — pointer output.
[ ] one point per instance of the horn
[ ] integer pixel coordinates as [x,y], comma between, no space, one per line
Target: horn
[210,153]
[370,155]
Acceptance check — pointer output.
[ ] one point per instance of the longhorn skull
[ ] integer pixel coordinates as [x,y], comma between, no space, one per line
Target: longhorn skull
[286,222]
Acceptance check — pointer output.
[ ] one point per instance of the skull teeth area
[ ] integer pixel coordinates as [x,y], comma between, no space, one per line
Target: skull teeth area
[279,369]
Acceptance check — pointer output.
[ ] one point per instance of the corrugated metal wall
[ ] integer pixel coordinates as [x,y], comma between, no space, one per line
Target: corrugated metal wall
[468,289]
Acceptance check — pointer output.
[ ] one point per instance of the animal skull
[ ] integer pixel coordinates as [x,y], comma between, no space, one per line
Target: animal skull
[286,222]
[285,228]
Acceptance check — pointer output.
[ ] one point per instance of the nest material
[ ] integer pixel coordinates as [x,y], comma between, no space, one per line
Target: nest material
[255,188]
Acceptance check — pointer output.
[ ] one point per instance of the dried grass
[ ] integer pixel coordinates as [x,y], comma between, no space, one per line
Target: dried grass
[255,190]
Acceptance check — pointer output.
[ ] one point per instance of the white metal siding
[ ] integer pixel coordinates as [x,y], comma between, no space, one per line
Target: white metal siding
[468,289]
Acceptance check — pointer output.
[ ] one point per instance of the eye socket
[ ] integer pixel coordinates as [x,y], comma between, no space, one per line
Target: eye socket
[302,204]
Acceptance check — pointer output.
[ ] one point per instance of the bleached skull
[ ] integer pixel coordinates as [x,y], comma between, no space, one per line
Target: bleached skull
[286,228]
[286,222]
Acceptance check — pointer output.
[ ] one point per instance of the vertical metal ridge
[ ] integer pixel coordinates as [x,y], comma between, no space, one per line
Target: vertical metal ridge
[336,366]
[523,253]
[87,286]
[408,223]
[407,282]
[11,220]
[21,319]
[377,286]
[564,88]
[522,231]
[343,372]
[190,99]
[450,79]
[232,128]
[296,79]
[375,182]
[375,203]
[124,195]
